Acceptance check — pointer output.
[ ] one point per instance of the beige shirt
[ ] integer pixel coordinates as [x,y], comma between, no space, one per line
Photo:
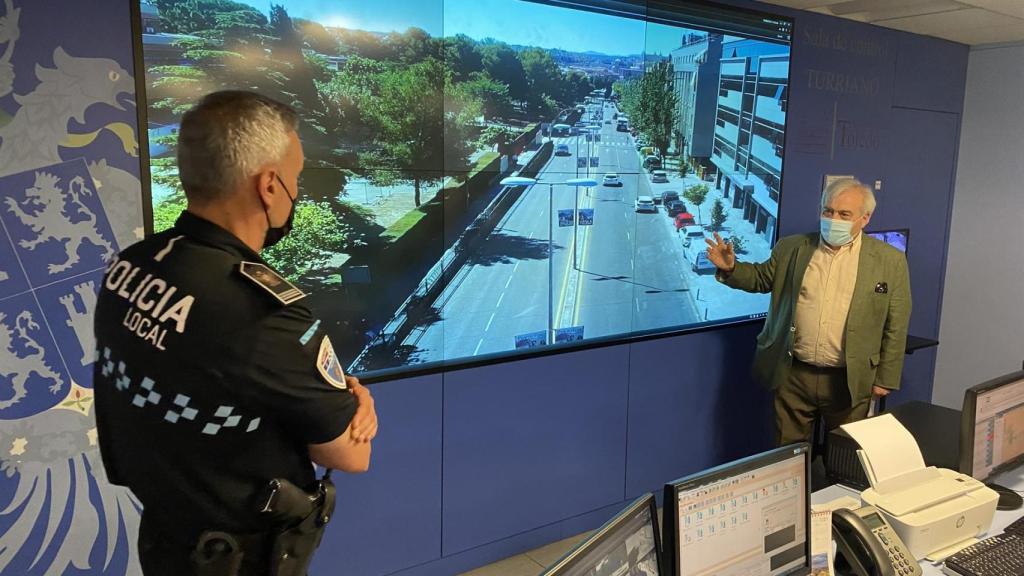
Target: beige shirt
[824,303]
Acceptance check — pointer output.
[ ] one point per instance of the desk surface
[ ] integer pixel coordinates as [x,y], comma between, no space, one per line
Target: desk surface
[1013,479]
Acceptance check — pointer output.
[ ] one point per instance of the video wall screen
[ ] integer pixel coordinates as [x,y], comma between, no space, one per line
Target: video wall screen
[645,127]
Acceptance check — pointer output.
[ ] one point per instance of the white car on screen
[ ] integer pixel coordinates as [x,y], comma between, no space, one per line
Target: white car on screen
[645,204]
[693,234]
[611,179]
[659,176]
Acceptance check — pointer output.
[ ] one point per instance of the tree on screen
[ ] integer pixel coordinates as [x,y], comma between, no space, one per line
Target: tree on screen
[364,44]
[287,49]
[462,110]
[631,95]
[414,45]
[739,243]
[651,104]
[502,63]
[317,235]
[493,95]
[343,96]
[718,215]
[696,195]
[418,134]
[231,45]
[462,57]
[661,103]
[626,91]
[194,16]
[166,212]
[318,38]
[544,78]
[500,136]
[577,87]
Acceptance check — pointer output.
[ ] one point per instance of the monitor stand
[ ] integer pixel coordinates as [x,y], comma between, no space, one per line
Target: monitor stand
[1008,499]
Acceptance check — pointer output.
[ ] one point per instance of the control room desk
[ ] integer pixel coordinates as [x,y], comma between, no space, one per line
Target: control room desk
[1013,479]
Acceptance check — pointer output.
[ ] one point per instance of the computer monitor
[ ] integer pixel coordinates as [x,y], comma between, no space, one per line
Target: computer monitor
[898,238]
[626,545]
[751,516]
[992,426]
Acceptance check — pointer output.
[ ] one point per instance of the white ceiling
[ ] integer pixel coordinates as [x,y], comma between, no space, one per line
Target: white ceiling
[970,22]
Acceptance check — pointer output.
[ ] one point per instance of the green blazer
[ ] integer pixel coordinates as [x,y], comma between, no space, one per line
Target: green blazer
[876,328]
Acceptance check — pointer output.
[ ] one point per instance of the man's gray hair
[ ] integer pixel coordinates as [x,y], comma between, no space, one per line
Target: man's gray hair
[227,137]
[842,185]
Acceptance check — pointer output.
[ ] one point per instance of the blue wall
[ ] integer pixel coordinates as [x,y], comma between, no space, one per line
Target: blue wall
[478,464]
[536,450]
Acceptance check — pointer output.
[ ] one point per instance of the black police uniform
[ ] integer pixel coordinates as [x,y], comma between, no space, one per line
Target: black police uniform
[206,387]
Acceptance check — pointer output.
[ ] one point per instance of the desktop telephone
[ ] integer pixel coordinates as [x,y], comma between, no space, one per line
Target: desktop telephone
[868,546]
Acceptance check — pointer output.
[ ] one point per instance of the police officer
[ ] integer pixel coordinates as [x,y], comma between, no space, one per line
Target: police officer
[213,378]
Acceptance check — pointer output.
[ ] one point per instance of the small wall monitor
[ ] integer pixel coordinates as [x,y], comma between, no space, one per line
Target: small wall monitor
[992,431]
[627,545]
[751,516]
[898,239]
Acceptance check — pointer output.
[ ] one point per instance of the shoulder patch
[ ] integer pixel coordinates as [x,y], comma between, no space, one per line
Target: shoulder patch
[329,366]
[271,281]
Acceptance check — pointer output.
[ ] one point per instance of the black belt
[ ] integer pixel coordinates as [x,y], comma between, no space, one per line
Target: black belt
[820,369]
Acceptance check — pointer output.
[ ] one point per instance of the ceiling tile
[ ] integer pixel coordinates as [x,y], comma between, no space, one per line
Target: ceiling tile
[1009,7]
[896,10]
[909,6]
[966,21]
[946,21]
[989,35]
[855,16]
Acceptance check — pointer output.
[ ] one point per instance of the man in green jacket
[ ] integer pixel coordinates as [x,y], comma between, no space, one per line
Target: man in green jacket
[837,324]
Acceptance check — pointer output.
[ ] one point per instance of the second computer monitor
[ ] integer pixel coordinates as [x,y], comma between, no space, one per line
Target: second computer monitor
[627,545]
[992,426]
[748,517]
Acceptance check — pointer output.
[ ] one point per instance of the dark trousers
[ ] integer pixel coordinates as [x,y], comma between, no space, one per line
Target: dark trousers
[811,392]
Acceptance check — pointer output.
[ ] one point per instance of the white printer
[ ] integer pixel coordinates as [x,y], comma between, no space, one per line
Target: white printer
[934,511]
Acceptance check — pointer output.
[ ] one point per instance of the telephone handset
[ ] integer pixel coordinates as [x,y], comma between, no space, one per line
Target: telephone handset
[868,546]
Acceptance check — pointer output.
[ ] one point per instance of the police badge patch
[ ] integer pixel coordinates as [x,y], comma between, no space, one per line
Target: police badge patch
[272,282]
[329,366]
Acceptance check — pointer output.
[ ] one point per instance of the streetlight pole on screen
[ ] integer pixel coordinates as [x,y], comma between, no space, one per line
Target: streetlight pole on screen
[551,265]
[577,154]
[576,221]
[576,183]
[591,147]
[523,181]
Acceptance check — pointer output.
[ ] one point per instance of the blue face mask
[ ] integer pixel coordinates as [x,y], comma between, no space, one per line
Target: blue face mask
[836,232]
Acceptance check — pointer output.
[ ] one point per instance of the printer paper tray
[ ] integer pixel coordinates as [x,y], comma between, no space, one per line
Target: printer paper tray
[923,495]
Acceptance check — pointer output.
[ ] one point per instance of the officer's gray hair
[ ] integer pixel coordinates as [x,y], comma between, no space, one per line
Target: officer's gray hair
[227,137]
[837,187]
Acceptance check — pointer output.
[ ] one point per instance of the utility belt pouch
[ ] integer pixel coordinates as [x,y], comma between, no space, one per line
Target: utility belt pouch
[217,554]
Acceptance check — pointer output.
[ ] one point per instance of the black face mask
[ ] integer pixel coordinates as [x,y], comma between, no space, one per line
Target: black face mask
[274,235]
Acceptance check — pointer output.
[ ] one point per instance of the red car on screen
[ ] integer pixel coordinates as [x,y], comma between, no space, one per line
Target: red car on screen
[684,219]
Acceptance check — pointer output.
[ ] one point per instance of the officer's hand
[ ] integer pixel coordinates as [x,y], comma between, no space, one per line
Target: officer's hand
[364,423]
[721,254]
[879,391]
